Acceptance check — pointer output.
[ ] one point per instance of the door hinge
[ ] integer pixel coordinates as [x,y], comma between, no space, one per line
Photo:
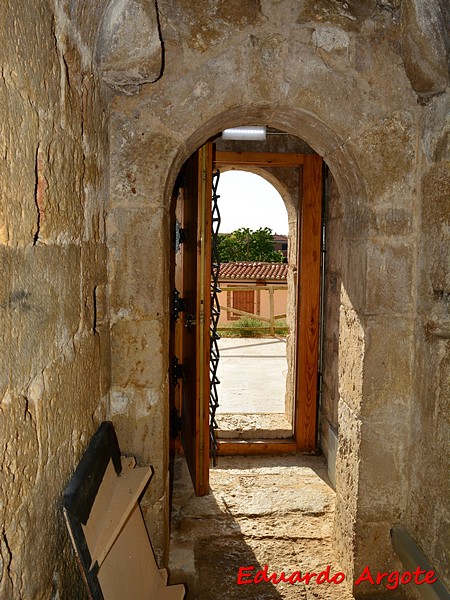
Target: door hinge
[180,236]
[177,370]
[178,304]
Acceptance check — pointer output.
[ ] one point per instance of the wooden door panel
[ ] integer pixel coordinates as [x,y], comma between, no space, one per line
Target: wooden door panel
[196,277]
[308,302]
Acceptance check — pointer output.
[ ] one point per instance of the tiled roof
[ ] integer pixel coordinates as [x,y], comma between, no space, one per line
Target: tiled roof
[253,270]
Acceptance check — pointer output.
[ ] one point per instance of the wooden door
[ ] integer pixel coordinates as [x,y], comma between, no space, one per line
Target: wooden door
[195,283]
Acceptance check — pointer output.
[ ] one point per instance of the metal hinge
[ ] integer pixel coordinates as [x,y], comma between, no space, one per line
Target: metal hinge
[178,304]
[177,370]
[180,236]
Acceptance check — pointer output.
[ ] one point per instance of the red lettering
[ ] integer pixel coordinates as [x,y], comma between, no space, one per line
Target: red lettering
[295,577]
[380,577]
[273,577]
[323,576]
[242,574]
[307,577]
[429,577]
[393,580]
[406,578]
[339,575]
[261,575]
[417,573]
[365,576]
[282,578]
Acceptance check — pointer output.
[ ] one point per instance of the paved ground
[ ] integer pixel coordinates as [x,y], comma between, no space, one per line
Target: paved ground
[275,511]
[252,374]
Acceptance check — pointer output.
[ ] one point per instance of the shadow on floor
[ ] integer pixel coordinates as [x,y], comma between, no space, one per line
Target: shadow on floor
[208,546]
[275,511]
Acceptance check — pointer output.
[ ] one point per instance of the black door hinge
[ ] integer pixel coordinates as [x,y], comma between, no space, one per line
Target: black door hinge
[177,370]
[178,304]
[180,236]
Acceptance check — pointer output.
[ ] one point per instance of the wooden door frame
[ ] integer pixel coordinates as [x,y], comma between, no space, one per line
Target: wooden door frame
[309,234]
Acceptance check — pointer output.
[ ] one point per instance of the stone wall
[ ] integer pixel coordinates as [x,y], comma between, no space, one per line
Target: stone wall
[428,514]
[328,414]
[333,75]
[365,85]
[54,362]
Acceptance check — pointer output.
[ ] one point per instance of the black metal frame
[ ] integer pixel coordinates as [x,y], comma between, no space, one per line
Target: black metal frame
[215,315]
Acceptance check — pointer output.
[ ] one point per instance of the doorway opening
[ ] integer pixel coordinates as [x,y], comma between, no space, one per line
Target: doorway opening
[195,394]
[256,321]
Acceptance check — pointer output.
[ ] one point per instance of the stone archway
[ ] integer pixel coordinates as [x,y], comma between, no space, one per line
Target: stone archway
[142,419]
[152,135]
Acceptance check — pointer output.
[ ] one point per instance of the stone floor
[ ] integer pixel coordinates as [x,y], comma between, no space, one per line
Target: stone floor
[275,511]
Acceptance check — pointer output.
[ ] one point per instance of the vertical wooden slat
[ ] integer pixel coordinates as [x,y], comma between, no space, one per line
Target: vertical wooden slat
[196,289]
[308,302]
[203,315]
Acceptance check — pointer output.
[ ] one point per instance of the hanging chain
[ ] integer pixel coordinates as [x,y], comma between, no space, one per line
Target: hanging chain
[215,315]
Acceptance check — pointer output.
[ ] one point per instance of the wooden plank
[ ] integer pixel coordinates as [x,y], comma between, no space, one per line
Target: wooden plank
[124,497]
[256,447]
[244,313]
[263,159]
[196,336]
[203,314]
[130,569]
[308,302]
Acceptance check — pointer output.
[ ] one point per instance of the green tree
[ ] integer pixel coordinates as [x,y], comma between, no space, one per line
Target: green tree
[247,245]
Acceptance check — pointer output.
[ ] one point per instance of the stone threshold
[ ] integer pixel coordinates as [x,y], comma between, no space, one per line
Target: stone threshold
[253,426]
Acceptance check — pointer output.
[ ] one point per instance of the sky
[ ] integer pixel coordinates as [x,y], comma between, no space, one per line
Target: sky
[248,200]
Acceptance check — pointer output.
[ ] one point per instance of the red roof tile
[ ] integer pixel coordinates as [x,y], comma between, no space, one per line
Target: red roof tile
[253,270]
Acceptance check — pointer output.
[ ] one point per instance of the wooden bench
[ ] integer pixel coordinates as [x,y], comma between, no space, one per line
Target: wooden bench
[105,523]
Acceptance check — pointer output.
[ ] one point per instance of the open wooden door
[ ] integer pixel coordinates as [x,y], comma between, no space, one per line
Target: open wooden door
[192,333]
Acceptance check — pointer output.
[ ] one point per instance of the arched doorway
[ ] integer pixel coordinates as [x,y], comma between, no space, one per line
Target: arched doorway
[196,401]
[159,183]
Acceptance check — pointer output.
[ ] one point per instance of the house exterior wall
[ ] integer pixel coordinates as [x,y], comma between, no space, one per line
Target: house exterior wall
[335,77]
[280,299]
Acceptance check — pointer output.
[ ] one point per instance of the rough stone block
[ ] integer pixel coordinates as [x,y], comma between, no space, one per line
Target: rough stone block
[354,274]
[425,45]
[138,354]
[390,272]
[351,356]
[42,310]
[129,49]
[138,288]
[386,151]
[388,364]
[344,535]
[383,474]
[347,458]
[375,551]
